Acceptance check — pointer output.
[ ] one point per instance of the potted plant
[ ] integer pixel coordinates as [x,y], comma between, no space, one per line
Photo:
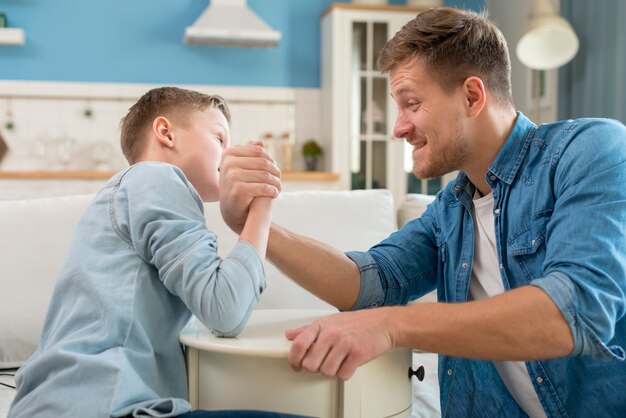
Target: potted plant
[311,151]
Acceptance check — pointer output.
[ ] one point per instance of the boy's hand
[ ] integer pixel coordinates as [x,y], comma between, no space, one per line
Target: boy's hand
[246,171]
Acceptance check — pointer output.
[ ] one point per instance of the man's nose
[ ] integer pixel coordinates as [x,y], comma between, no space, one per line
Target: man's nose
[403,127]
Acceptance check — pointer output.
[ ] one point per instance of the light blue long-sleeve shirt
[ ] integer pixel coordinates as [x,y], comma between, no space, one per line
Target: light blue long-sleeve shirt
[559,195]
[140,264]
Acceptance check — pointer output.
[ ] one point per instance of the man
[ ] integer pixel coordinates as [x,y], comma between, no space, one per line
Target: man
[526,248]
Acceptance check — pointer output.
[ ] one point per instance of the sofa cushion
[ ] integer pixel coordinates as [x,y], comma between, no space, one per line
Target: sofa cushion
[412,206]
[34,238]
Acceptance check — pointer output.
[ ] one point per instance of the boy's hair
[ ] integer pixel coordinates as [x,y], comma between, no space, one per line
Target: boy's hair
[453,44]
[171,102]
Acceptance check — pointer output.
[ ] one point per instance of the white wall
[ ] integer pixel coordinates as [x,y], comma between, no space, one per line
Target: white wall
[45,114]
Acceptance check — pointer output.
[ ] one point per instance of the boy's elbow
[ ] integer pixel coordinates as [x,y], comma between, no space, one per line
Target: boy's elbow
[234,297]
[230,323]
[230,334]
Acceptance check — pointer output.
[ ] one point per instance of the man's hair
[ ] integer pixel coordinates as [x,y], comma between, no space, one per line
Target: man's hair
[453,44]
[172,102]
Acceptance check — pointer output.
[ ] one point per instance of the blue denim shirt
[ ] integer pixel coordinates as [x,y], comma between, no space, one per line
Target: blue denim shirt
[560,220]
[140,263]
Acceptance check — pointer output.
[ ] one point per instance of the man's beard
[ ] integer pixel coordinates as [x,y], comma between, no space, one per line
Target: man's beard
[444,162]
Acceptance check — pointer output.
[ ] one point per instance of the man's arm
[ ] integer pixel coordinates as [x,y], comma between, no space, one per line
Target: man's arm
[521,324]
[319,268]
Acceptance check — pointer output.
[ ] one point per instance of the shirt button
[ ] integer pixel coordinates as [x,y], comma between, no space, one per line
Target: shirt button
[449,372]
[539,380]
[497,211]
[533,242]
[465,265]
[492,177]
[501,266]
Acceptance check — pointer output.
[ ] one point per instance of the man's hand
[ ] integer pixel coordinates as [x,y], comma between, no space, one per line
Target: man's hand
[337,344]
[246,171]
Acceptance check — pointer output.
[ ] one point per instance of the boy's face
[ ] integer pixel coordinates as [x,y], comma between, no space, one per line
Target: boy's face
[200,144]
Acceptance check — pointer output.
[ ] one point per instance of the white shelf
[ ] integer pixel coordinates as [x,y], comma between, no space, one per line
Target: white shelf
[12,36]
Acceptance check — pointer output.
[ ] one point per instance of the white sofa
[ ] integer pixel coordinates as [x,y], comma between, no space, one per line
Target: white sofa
[35,236]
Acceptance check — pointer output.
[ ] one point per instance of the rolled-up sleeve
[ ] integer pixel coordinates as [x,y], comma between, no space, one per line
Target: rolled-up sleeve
[586,342]
[401,268]
[371,294]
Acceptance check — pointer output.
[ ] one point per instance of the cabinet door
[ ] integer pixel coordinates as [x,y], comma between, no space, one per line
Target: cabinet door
[377,159]
[358,112]
[370,126]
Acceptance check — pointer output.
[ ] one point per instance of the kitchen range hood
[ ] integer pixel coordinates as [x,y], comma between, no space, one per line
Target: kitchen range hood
[231,23]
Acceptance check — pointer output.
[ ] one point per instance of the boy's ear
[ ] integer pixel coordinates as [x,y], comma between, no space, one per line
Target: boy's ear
[162,129]
[475,95]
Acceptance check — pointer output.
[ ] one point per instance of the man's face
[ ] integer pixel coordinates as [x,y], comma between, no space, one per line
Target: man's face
[202,139]
[429,119]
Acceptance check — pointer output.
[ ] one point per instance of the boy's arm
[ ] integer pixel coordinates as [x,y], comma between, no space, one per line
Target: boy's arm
[256,229]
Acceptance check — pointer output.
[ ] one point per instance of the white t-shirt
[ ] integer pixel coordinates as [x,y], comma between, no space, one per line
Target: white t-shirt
[485,282]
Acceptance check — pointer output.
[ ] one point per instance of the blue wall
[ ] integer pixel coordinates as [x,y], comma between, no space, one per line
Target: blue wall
[141,41]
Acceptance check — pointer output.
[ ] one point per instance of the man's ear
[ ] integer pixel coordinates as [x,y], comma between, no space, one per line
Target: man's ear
[162,130]
[475,95]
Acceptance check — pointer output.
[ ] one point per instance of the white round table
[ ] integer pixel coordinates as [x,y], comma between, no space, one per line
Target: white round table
[251,371]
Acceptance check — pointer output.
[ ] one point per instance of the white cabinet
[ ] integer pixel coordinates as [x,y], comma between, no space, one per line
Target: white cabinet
[358,113]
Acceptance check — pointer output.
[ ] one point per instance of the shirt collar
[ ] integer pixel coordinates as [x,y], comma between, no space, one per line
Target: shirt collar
[512,153]
[509,158]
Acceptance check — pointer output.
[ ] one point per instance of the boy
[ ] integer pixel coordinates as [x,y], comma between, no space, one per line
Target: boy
[140,264]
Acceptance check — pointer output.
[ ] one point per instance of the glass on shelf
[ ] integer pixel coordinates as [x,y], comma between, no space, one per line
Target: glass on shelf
[65,151]
[40,151]
[102,153]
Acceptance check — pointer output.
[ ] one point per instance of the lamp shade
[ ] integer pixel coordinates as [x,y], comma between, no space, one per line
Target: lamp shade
[549,40]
